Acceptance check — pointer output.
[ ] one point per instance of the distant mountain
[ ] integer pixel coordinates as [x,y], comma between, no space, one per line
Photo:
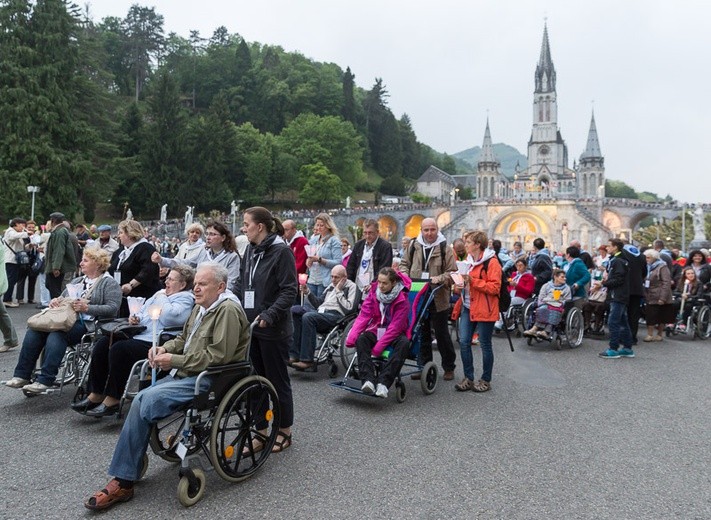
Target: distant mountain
[507,155]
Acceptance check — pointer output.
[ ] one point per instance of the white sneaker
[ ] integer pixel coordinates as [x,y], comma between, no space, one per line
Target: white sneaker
[5,348]
[382,391]
[35,388]
[16,382]
[368,388]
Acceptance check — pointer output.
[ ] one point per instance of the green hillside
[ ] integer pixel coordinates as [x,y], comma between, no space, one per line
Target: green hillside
[507,155]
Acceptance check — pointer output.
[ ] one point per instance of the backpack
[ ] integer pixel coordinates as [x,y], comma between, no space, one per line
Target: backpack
[504,296]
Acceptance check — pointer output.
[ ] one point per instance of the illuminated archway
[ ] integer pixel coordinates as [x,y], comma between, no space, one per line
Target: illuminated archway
[388,227]
[612,221]
[443,219]
[523,226]
[413,224]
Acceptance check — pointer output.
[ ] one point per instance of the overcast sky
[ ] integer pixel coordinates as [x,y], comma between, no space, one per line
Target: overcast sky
[644,64]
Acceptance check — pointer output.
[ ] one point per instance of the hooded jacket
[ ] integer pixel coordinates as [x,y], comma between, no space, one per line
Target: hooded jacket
[484,287]
[579,275]
[541,267]
[222,337]
[638,269]
[617,283]
[396,319]
[268,269]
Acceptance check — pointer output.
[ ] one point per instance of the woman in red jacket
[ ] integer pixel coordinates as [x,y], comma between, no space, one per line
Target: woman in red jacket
[520,288]
[383,321]
[480,300]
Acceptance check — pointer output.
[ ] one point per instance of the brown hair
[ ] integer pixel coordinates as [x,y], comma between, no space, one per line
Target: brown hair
[229,241]
[390,273]
[477,237]
[263,216]
[132,228]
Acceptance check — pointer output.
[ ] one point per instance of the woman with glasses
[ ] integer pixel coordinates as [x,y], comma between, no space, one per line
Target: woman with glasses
[220,247]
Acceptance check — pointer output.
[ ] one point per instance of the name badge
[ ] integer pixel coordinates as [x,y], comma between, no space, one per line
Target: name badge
[249,299]
[646,284]
[117,277]
[425,275]
[381,332]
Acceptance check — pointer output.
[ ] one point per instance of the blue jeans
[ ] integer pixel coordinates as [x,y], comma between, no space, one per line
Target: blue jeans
[485,329]
[8,331]
[54,344]
[151,405]
[306,328]
[619,326]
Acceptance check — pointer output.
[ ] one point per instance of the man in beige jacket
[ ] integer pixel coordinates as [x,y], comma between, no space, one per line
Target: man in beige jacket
[429,257]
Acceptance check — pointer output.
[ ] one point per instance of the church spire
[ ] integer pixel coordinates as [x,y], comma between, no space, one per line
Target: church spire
[487,149]
[545,71]
[592,149]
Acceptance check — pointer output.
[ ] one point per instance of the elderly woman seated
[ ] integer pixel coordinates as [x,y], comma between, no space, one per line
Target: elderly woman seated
[111,363]
[551,305]
[98,295]
[383,323]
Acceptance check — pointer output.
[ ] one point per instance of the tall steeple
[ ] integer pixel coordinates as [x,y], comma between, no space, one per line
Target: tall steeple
[487,149]
[592,149]
[545,71]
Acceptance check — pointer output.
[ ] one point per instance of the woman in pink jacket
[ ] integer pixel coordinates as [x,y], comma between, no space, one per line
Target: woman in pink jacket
[383,322]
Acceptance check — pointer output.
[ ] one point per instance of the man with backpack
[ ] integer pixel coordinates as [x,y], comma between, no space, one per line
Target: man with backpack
[429,258]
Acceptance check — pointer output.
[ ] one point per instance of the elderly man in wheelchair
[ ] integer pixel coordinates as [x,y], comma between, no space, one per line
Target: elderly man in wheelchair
[217,333]
[338,300]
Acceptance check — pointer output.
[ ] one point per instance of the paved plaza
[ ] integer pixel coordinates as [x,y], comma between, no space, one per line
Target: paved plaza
[562,435]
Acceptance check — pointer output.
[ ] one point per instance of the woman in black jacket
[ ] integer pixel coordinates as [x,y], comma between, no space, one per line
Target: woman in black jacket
[131,264]
[267,289]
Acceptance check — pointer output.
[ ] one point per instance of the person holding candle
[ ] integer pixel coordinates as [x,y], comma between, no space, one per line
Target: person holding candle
[131,264]
[551,305]
[111,363]
[216,333]
[99,296]
[690,293]
[338,299]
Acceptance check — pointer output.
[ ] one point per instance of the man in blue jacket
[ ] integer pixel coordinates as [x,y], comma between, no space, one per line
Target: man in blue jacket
[618,295]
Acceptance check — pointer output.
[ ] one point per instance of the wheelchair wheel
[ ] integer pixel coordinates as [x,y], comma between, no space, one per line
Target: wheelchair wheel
[428,381]
[346,353]
[400,392]
[703,322]
[191,490]
[528,312]
[574,328]
[164,436]
[236,426]
[144,466]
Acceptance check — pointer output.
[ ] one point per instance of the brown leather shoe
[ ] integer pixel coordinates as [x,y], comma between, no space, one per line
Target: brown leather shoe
[110,495]
[302,365]
[448,375]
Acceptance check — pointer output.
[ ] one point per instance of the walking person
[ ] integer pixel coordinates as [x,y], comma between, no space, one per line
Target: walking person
[618,295]
[479,308]
[428,257]
[60,256]
[267,289]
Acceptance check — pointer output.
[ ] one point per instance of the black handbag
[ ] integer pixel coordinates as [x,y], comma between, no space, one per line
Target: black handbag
[120,329]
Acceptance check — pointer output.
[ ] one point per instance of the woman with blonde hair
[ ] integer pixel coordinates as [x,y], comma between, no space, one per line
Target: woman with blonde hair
[325,253]
[131,264]
[191,248]
[99,296]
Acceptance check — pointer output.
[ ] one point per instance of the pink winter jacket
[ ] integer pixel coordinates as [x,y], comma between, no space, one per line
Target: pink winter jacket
[397,318]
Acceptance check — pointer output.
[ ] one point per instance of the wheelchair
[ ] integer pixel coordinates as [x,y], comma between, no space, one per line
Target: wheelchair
[220,424]
[331,345]
[420,301]
[569,330]
[698,323]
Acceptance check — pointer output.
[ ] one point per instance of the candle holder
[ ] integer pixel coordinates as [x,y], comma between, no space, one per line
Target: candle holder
[134,304]
[303,277]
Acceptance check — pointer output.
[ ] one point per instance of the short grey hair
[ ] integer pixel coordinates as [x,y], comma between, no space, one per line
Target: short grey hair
[651,253]
[219,272]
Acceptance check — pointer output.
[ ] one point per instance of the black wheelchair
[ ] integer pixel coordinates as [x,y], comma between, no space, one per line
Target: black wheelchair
[569,330]
[696,323]
[222,424]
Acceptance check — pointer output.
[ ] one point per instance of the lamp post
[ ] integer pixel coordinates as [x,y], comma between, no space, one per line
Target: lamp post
[33,190]
[683,227]
[456,191]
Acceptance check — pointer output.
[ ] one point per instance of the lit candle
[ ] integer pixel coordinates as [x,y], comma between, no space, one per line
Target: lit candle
[134,304]
[154,312]
[303,277]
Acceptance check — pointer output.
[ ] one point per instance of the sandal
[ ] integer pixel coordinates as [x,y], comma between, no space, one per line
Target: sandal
[281,445]
[464,386]
[109,496]
[481,386]
[258,443]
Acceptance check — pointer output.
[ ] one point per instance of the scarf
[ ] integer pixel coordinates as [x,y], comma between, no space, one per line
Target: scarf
[654,265]
[388,298]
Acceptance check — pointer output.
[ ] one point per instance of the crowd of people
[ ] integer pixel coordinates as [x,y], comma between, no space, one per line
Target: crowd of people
[294,284]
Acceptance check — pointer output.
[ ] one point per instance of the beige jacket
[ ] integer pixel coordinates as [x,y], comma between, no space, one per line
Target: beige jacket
[438,269]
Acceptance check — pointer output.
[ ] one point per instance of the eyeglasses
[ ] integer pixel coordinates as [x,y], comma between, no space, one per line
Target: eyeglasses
[213,234]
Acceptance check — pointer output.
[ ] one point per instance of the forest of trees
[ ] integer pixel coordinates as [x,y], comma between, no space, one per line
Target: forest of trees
[116,110]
